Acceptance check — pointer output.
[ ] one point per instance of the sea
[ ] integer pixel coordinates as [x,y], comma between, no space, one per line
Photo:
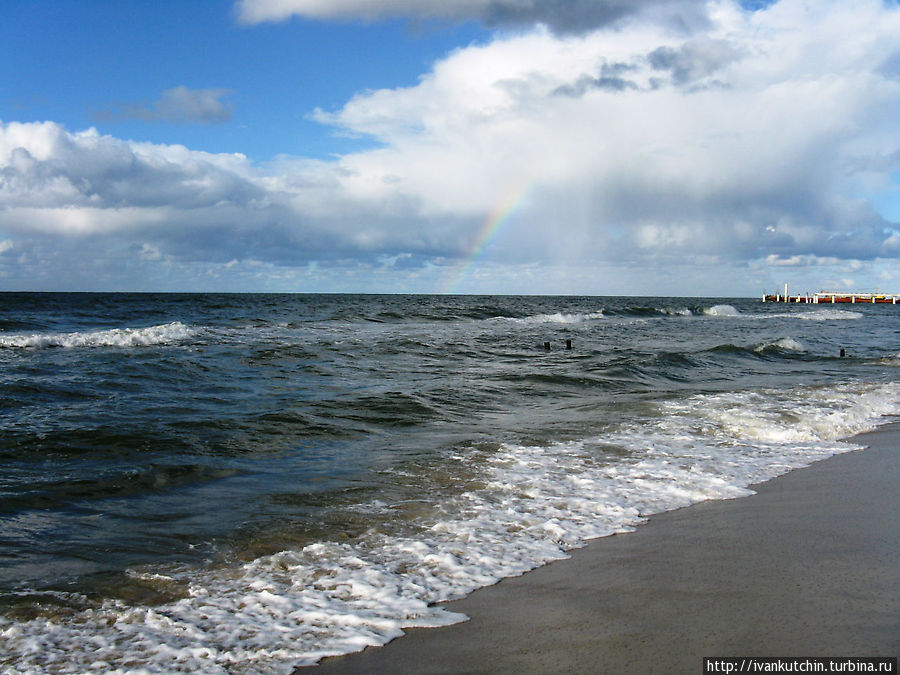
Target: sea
[240,483]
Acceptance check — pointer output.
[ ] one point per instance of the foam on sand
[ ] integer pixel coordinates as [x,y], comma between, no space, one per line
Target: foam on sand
[799,568]
[528,506]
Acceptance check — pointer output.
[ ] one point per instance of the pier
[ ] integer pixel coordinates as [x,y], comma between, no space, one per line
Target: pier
[833,297]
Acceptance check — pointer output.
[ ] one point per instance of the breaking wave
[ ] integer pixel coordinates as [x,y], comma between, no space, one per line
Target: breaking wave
[167,333]
[559,317]
[784,344]
[721,310]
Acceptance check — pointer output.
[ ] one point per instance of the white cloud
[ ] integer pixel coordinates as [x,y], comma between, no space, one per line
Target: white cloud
[800,261]
[714,139]
[737,147]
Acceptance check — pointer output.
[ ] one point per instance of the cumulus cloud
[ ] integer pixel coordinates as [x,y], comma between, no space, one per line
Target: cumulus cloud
[178,105]
[44,166]
[752,156]
[746,146]
[166,202]
[560,16]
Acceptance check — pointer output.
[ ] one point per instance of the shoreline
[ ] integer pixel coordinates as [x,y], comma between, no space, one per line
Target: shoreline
[807,566]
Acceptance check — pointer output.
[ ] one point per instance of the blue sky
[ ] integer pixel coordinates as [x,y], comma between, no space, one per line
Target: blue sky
[80,62]
[497,146]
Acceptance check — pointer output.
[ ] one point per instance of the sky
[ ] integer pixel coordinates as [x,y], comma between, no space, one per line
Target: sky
[585,147]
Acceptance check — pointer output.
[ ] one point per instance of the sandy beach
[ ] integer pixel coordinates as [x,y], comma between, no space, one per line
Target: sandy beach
[808,566]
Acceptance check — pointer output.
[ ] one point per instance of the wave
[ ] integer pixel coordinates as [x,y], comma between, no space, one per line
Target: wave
[783,345]
[725,310]
[808,415]
[786,346]
[721,310]
[889,360]
[124,483]
[557,317]
[525,506]
[116,337]
[818,315]
[829,315]
[583,317]
[676,311]
[647,312]
[825,314]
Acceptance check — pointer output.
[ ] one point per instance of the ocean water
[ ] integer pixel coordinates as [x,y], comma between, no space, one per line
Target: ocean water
[248,483]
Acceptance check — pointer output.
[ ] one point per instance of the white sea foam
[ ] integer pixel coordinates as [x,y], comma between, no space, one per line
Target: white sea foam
[559,317]
[676,311]
[116,337]
[825,314]
[803,314]
[532,505]
[721,310]
[829,315]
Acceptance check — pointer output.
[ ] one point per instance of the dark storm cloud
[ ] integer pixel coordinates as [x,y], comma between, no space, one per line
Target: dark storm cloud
[693,61]
[579,16]
[609,79]
[560,16]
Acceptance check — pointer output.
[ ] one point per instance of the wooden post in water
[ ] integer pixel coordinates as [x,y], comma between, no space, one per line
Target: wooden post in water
[547,346]
[569,344]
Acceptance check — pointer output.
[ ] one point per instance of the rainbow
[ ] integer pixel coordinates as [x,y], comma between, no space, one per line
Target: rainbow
[495,223]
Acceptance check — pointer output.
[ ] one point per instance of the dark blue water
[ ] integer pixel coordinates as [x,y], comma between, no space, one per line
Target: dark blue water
[154,445]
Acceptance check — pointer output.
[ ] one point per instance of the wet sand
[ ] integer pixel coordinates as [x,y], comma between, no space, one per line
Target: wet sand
[808,566]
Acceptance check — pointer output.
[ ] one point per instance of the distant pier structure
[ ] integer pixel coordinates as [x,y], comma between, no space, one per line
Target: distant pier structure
[832,297]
